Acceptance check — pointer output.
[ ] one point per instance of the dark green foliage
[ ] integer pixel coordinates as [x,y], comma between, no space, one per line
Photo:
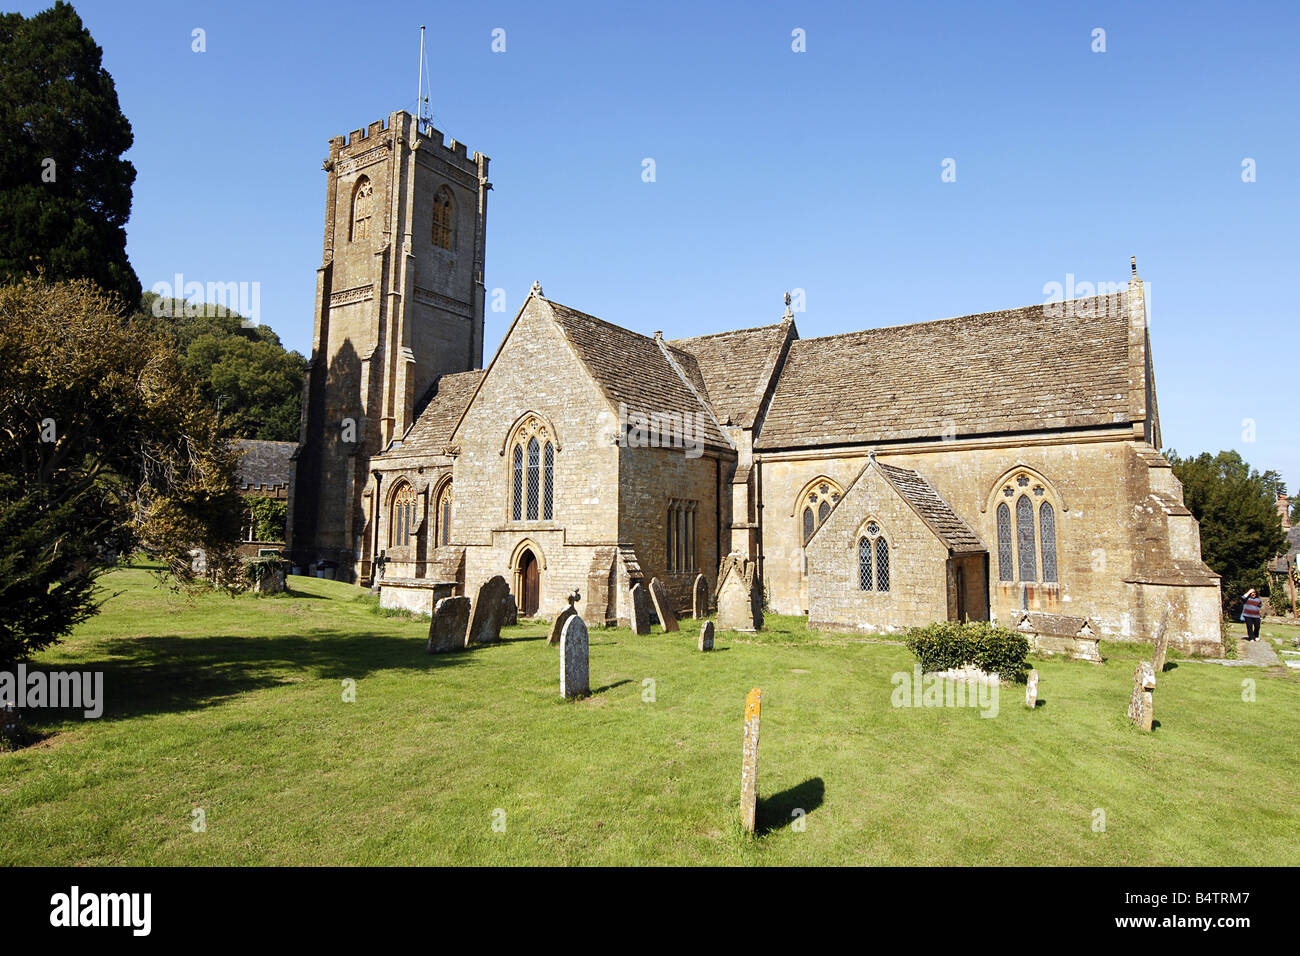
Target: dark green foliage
[270,516]
[1236,506]
[243,370]
[58,103]
[946,644]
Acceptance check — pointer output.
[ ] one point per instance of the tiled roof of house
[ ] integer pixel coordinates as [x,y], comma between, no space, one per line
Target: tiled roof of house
[434,426]
[632,369]
[1011,371]
[736,367]
[265,463]
[934,511]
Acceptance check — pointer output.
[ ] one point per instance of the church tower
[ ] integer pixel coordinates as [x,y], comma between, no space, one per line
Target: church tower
[399,302]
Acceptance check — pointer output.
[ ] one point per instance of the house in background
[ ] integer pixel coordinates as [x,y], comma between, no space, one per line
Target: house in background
[265,476]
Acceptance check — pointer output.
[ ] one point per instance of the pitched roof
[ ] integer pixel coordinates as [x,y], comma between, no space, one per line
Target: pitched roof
[434,426]
[265,463]
[1010,371]
[737,367]
[947,525]
[632,369]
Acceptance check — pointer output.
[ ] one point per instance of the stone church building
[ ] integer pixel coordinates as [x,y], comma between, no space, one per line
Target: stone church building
[966,468]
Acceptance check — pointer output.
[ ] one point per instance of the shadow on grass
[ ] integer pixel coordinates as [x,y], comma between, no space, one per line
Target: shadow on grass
[617,683]
[778,810]
[151,675]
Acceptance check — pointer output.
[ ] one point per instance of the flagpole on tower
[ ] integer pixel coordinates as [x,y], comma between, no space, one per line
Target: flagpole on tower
[423,115]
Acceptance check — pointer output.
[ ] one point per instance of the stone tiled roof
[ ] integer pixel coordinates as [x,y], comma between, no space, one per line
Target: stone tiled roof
[737,367]
[934,511]
[632,369]
[265,463]
[1011,371]
[433,428]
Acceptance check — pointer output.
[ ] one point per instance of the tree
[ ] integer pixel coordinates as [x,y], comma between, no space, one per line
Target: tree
[105,448]
[243,369]
[65,191]
[1237,510]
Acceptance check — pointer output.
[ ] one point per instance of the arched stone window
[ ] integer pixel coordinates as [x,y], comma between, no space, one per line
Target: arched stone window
[815,504]
[532,459]
[873,548]
[362,196]
[401,516]
[442,517]
[444,219]
[1027,552]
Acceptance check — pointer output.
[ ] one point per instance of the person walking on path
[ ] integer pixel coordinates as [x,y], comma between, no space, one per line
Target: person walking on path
[1250,611]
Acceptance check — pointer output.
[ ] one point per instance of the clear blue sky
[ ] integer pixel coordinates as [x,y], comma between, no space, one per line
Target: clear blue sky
[775,169]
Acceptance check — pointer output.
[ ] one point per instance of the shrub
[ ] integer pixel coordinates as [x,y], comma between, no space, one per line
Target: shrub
[1280,598]
[1229,640]
[945,644]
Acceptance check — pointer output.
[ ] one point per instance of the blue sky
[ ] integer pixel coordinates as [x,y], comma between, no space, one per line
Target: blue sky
[774,169]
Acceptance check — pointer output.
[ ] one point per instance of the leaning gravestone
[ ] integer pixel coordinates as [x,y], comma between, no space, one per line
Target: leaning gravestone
[574,664]
[659,595]
[509,611]
[557,626]
[700,597]
[485,619]
[640,610]
[1140,706]
[749,761]
[1031,690]
[706,636]
[447,629]
[1162,646]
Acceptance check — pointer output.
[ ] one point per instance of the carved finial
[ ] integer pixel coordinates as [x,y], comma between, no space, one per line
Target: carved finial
[536,290]
[788,313]
[1133,260]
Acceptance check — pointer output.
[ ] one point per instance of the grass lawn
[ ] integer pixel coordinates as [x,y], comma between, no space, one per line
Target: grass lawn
[236,706]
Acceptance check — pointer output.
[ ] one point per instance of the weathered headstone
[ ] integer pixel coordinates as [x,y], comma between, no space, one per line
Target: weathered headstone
[1162,646]
[1140,706]
[659,595]
[1031,690]
[706,636]
[574,664]
[700,597]
[557,626]
[485,618]
[509,611]
[640,610]
[447,629]
[749,761]
[739,600]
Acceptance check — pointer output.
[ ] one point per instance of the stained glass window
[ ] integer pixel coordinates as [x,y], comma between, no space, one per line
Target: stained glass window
[809,524]
[1047,527]
[1006,570]
[823,511]
[1025,539]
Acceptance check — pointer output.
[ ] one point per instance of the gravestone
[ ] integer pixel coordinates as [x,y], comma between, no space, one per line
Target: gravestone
[1140,706]
[485,618]
[700,597]
[640,610]
[509,611]
[706,636]
[739,597]
[1031,690]
[557,626]
[447,629]
[659,595]
[574,664]
[1162,646]
[749,761]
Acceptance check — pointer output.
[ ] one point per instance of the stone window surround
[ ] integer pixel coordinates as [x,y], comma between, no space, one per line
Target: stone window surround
[530,426]
[1025,483]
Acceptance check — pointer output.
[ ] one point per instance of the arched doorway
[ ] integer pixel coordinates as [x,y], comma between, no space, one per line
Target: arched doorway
[527,580]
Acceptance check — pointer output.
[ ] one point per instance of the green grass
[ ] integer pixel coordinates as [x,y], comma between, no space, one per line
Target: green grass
[235,706]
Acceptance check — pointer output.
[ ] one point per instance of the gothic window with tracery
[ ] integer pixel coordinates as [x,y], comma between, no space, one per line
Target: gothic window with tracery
[1047,524]
[1006,567]
[444,219]
[401,517]
[1027,553]
[362,197]
[873,548]
[532,465]
[816,504]
[442,512]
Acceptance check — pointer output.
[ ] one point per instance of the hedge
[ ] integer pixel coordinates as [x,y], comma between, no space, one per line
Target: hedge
[946,644]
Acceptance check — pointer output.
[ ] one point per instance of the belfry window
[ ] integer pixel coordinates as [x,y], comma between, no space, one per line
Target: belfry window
[444,219]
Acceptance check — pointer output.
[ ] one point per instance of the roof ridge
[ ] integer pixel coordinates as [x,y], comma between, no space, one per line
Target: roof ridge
[714,335]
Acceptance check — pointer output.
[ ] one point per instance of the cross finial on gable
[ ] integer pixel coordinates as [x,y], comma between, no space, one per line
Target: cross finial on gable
[536,290]
[788,313]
